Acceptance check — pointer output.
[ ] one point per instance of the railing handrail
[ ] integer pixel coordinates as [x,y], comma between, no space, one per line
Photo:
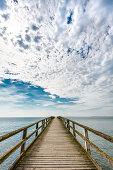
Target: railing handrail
[98,133]
[45,122]
[88,143]
[6,136]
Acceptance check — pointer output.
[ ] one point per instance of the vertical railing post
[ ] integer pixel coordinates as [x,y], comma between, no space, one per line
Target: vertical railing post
[44,124]
[74,134]
[65,122]
[87,145]
[46,121]
[24,136]
[37,128]
[68,125]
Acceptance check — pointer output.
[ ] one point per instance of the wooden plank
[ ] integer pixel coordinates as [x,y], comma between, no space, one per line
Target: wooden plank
[64,168]
[55,149]
[32,163]
[58,166]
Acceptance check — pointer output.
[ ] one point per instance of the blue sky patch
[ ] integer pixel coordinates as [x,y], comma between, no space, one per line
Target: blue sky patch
[34,28]
[69,50]
[15,1]
[5,16]
[69,18]
[34,94]
[21,44]
[3,5]
[84,52]
[37,38]
[27,38]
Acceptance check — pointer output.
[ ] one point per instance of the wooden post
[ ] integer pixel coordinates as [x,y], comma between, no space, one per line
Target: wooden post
[65,122]
[37,128]
[46,121]
[44,124]
[87,145]
[73,130]
[24,136]
[68,125]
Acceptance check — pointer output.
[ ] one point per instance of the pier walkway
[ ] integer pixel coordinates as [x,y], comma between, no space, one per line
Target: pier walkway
[54,145]
[55,149]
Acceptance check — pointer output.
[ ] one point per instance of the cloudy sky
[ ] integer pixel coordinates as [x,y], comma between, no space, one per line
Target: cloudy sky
[56,57]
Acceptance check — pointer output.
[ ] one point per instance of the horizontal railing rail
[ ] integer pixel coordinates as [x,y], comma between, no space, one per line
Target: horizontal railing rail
[85,137]
[22,143]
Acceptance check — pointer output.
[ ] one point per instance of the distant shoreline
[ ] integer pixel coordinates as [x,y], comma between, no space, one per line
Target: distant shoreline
[64,116]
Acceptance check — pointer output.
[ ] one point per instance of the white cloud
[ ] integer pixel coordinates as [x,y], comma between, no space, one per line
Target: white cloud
[9,95]
[52,96]
[44,103]
[85,72]
[1,82]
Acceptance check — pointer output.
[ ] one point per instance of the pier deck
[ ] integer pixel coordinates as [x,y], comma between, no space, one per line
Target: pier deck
[55,149]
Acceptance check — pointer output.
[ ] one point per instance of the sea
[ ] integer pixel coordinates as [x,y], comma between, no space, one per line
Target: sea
[103,124]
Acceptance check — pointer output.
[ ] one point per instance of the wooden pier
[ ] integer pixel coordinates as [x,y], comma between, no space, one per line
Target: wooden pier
[56,148]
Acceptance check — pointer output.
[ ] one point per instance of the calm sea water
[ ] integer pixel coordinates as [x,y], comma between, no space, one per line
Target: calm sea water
[104,125]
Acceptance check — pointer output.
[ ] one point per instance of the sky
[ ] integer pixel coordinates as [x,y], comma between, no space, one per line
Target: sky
[56,58]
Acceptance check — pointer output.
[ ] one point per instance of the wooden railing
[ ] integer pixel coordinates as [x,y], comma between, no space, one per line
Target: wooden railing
[70,125]
[44,123]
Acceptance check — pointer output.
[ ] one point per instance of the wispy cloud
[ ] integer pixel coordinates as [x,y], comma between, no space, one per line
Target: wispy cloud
[9,95]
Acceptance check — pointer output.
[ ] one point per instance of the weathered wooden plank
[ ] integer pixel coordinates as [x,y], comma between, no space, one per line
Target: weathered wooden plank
[56,149]
[56,163]
[64,168]
[58,166]
[56,160]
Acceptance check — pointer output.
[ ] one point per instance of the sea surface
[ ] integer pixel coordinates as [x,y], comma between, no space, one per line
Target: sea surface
[103,124]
